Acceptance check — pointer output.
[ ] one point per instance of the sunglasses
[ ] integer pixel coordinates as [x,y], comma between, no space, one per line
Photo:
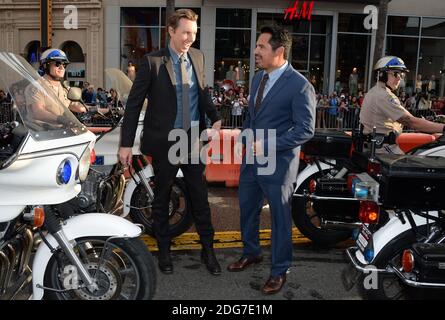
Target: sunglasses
[59,63]
[397,74]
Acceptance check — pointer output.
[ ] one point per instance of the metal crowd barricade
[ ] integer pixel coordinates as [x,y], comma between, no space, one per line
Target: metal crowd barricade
[337,118]
[328,118]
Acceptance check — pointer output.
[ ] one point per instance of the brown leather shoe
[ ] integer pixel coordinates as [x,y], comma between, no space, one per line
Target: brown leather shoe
[274,284]
[243,263]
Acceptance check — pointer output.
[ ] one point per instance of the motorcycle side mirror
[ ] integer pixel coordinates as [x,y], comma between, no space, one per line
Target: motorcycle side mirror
[75,94]
[65,84]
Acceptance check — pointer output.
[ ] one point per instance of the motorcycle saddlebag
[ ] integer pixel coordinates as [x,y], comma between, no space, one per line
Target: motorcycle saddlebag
[329,143]
[429,260]
[409,181]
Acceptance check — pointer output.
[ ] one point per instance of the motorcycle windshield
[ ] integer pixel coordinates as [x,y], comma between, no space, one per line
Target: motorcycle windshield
[41,111]
[121,83]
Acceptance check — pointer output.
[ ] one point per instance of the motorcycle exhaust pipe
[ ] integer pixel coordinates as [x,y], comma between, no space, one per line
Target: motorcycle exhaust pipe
[28,243]
[4,267]
[338,225]
[416,284]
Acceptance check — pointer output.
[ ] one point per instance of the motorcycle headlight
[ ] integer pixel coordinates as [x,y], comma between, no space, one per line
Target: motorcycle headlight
[64,172]
[84,164]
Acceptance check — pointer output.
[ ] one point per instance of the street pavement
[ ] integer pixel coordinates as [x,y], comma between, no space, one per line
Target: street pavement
[315,273]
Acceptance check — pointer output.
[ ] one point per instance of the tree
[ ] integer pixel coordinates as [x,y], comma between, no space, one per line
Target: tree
[170,8]
[380,35]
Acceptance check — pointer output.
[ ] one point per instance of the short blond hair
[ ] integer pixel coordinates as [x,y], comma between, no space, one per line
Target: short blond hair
[173,20]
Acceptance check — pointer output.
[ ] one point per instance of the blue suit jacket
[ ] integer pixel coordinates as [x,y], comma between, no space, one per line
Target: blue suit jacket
[289,108]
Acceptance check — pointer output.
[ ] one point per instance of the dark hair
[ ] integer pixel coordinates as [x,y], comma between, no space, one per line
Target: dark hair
[173,20]
[279,38]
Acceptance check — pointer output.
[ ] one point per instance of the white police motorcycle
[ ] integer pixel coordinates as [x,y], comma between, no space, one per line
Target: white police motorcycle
[42,162]
[331,158]
[400,250]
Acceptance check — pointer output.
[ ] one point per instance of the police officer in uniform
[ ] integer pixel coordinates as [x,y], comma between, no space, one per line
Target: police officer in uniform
[383,110]
[43,107]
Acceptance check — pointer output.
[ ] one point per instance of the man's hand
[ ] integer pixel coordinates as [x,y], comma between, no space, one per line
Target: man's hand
[125,155]
[77,107]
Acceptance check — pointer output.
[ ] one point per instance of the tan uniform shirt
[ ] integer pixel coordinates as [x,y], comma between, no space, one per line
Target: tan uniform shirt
[34,95]
[381,109]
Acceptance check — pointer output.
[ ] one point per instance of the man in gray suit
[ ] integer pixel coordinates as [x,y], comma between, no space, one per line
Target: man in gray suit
[282,117]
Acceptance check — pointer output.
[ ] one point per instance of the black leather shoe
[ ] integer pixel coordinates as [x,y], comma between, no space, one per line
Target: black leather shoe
[209,259]
[165,261]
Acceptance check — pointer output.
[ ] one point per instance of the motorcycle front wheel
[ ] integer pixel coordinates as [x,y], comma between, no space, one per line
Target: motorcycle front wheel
[180,214]
[127,271]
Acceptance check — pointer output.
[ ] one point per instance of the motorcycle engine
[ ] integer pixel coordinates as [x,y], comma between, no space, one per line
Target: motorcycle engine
[87,198]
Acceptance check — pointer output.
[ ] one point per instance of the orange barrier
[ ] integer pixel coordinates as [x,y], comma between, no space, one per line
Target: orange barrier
[221,164]
[408,141]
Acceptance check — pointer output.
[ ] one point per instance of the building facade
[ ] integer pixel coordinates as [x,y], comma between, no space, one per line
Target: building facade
[326,48]
[20,33]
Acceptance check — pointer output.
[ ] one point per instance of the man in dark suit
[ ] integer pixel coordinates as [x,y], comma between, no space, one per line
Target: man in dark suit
[172,80]
[282,110]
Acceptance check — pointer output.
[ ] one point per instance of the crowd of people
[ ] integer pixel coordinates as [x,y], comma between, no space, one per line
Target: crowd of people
[100,97]
[231,103]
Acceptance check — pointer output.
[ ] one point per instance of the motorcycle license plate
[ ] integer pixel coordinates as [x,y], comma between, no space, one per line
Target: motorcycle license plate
[364,237]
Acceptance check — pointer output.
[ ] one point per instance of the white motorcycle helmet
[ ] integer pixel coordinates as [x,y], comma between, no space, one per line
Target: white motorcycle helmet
[51,55]
[389,63]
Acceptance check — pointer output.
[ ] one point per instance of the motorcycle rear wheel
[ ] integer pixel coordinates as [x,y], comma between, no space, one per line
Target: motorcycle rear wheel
[309,223]
[389,286]
[180,214]
[127,273]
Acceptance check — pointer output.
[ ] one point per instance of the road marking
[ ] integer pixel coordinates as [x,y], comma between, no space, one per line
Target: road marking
[226,239]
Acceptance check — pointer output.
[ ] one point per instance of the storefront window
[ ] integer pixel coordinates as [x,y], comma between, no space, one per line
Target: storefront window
[349,22]
[233,18]
[136,42]
[232,47]
[140,17]
[317,61]
[352,61]
[403,25]
[426,63]
[300,51]
[431,62]
[142,32]
[406,49]
[232,52]
[309,40]
[433,27]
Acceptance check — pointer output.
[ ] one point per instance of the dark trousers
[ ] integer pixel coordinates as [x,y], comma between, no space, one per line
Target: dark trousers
[165,173]
[251,196]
